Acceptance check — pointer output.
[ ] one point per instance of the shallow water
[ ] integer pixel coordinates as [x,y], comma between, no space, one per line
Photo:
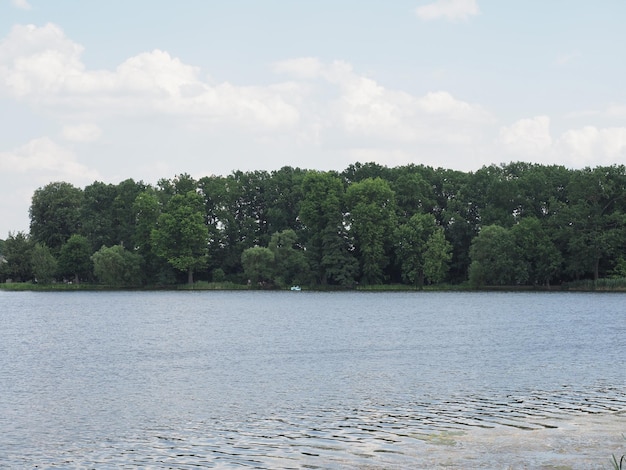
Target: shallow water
[311,380]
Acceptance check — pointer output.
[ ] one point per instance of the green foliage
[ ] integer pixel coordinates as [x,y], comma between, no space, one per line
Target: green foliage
[493,255]
[437,256]
[75,259]
[44,264]
[96,214]
[55,214]
[327,241]
[372,220]
[619,271]
[218,275]
[258,265]
[536,252]
[116,266]
[290,266]
[17,252]
[515,224]
[422,250]
[181,236]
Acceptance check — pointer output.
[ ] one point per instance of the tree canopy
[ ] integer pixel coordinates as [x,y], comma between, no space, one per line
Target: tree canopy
[509,224]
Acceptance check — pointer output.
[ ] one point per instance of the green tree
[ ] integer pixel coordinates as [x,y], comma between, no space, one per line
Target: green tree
[327,242]
[44,264]
[55,214]
[422,250]
[536,252]
[181,236]
[123,212]
[147,209]
[75,258]
[592,223]
[258,264]
[437,256]
[412,193]
[116,266]
[96,214]
[372,220]
[17,252]
[494,258]
[290,266]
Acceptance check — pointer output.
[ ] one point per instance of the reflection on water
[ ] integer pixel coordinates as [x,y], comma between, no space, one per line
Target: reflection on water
[286,380]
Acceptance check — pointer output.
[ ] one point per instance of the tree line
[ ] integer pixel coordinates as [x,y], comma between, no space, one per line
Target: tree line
[508,224]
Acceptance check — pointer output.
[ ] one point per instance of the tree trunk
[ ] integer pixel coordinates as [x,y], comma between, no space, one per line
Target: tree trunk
[190,276]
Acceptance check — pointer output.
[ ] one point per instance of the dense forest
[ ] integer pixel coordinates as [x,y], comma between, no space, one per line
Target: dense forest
[512,224]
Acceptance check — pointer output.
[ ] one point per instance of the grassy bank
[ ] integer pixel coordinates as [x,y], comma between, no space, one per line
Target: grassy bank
[601,285]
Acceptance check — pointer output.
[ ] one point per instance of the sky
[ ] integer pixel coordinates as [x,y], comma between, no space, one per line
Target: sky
[149,89]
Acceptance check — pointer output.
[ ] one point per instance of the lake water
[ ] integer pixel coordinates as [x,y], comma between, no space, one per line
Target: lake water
[311,380]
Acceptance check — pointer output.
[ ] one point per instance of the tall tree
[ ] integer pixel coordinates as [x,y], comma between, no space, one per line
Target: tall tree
[593,222]
[17,253]
[75,258]
[422,250]
[536,251]
[372,219]
[437,256]
[494,258]
[44,264]
[290,264]
[55,214]
[328,247]
[124,216]
[181,236]
[96,214]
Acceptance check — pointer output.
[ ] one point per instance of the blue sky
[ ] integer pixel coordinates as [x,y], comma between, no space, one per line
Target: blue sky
[150,89]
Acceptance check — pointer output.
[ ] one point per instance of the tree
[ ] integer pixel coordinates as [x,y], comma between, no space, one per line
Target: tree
[437,256]
[258,264]
[96,214]
[123,211]
[75,258]
[422,250]
[181,236]
[290,266]
[372,221]
[494,258]
[44,264]
[17,251]
[592,223]
[116,266]
[55,214]
[536,251]
[328,245]
[412,194]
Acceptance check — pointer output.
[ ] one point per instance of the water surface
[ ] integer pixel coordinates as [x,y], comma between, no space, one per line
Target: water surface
[316,380]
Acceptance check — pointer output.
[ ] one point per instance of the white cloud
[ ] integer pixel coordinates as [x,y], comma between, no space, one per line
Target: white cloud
[43,67]
[590,146]
[527,138]
[616,111]
[451,10]
[44,156]
[21,4]
[531,140]
[365,109]
[81,133]
[304,67]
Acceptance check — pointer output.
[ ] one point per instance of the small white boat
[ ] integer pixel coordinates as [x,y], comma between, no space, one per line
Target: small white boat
[295,288]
